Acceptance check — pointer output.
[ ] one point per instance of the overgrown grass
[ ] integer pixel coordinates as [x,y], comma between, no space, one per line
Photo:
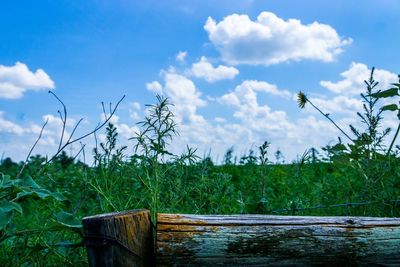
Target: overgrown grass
[39,218]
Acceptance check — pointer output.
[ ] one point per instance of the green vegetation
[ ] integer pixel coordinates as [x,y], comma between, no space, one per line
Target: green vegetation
[42,201]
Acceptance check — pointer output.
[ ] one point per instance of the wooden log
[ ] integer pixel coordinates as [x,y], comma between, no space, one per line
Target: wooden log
[119,239]
[261,240]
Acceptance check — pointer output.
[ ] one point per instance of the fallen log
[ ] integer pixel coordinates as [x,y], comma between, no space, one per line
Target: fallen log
[261,240]
[126,239]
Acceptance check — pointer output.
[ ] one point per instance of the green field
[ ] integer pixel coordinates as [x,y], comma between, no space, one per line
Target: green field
[41,206]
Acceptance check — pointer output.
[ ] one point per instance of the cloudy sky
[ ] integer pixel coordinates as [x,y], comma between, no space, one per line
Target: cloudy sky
[232,69]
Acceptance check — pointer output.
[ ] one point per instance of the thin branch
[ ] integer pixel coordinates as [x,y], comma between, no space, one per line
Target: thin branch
[73,130]
[98,127]
[104,110]
[63,120]
[80,150]
[30,151]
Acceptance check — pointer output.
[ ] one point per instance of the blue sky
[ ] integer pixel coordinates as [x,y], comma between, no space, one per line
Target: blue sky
[232,68]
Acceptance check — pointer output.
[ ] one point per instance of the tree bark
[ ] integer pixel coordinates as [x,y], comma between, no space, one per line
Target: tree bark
[119,239]
[262,240]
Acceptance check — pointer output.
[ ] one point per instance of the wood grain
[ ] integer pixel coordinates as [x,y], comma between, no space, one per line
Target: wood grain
[119,239]
[262,240]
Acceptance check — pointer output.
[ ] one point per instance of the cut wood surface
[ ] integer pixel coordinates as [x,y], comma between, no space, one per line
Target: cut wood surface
[119,239]
[262,240]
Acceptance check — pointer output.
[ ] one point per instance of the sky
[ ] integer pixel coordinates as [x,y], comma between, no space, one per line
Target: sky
[231,69]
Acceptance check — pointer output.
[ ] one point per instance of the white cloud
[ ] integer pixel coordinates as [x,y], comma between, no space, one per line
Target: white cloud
[337,105]
[181,56]
[246,92]
[56,121]
[204,69]
[17,79]
[344,106]
[258,118]
[7,126]
[154,87]
[219,119]
[25,136]
[185,96]
[134,115]
[353,79]
[135,105]
[133,111]
[271,40]
[124,129]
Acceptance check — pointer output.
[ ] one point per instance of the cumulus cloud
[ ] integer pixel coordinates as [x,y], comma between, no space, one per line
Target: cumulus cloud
[134,109]
[353,79]
[182,93]
[181,56]
[135,105]
[124,129]
[7,126]
[185,96]
[271,40]
[219,119]
[247,91]
[254,116]
[12,133]
[16,139]
[347,102]
[343,105]
[16,80]
[154,87]
[204,69]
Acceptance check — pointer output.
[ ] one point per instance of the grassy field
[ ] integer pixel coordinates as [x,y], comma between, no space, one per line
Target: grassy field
[42,205]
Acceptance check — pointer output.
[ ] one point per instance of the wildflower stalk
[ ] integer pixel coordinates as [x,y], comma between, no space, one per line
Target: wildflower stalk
[303,99]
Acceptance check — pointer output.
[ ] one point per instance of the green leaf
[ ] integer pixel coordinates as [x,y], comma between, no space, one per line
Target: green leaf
[387,93]
[28,182]
[23,194]
[35,193]
[40,193]
[67,219]
[5,218]
[10,206]
[5,181]
[391,107]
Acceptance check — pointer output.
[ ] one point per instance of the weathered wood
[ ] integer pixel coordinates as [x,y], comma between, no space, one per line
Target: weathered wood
[119,239]
[261,240]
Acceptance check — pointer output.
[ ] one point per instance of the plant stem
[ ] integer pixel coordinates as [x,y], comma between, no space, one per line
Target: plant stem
[327,116]
[32,148]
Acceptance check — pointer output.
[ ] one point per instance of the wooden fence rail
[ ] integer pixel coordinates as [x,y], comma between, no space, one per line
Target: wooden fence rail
[241,240]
